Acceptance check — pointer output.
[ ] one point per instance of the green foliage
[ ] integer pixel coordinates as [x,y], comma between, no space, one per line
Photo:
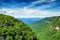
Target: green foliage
[13,29]
[45,30]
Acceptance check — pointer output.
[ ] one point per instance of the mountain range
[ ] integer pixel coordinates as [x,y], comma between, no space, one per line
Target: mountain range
[47,28]
[29,20]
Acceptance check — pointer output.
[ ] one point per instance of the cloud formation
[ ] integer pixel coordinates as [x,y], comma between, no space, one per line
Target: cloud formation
[36,9]
[28,13]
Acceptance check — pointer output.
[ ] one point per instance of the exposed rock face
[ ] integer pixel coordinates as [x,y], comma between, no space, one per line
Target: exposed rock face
[56,23]
[57,28]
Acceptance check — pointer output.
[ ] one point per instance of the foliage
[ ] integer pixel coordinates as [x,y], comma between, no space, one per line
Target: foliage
[44,29]
[13,29]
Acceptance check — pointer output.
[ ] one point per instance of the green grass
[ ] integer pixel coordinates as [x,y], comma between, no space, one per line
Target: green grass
[44,29]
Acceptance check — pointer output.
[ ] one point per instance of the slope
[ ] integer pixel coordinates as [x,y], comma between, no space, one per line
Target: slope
[46,28]
[13,29]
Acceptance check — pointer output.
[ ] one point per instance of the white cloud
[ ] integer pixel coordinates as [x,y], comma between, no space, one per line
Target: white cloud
[28,13]
[46,0]
[40,5]
[53,0]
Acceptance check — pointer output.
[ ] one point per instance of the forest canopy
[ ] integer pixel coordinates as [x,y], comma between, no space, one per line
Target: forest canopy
[13,29]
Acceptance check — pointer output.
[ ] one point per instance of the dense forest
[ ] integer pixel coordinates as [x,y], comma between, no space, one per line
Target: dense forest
[13,29]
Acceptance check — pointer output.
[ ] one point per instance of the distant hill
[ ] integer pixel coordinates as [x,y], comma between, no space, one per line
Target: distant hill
[13,29]
[47,28]
[29,20]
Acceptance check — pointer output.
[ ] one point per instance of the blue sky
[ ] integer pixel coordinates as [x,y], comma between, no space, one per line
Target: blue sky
[30,8]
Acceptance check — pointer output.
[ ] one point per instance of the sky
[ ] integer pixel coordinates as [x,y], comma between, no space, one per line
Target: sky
[30,8]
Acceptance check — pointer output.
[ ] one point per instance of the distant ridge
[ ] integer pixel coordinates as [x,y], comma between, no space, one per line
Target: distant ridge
[47,28]
[29,20]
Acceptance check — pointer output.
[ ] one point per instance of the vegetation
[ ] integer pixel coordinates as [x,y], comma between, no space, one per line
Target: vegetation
[47,29]
[13,29]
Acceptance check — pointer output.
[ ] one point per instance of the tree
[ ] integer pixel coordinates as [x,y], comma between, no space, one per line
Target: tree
[13,29]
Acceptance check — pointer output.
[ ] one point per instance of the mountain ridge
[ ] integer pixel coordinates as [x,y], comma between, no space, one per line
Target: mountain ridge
[47,28]
[29,20]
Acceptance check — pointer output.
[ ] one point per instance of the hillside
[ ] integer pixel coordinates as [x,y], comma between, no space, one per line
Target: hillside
[13,29]
[47,28]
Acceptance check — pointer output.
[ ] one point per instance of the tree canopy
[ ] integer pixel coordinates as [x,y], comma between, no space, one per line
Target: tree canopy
[13,29]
